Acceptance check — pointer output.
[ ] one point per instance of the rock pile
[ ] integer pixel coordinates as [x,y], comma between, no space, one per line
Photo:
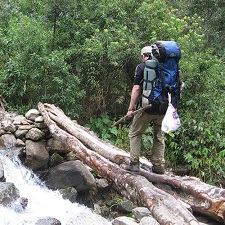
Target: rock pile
[43,154]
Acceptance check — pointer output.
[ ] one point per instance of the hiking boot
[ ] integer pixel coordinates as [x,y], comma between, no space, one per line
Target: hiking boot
[133,167]
[158,169]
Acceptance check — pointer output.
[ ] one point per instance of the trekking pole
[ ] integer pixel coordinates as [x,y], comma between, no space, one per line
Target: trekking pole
[123,119]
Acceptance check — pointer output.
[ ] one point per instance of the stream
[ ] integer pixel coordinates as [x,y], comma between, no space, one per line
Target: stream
[42,202]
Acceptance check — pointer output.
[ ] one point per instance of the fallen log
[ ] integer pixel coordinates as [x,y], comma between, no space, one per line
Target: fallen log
[164,207]
[104,157]
[203,198]
[87,137]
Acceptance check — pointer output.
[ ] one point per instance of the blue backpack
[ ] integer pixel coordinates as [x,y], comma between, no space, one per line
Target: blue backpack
[162,78]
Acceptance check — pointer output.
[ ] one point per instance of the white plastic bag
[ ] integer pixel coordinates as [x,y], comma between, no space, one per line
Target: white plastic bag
[171,121]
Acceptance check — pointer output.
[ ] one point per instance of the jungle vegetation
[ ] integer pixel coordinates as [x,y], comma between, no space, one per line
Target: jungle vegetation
[81,56]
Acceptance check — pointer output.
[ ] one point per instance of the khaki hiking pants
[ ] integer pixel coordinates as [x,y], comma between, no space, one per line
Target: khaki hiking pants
[140,123]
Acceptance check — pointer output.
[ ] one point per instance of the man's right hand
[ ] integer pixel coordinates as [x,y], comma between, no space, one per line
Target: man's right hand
[130,113]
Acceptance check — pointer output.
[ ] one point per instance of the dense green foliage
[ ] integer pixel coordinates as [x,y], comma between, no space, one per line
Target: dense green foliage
[81,56]
[213,23]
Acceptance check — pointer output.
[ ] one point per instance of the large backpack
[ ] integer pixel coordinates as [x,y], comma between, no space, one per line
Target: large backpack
[161,76]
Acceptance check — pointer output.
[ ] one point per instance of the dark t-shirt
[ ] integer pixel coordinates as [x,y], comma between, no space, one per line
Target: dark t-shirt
[138,77]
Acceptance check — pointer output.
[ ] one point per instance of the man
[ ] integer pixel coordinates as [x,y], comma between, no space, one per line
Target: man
[140,123]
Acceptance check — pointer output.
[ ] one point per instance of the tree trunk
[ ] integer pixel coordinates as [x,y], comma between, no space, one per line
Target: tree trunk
[87,137]
[166,204]
[203,198]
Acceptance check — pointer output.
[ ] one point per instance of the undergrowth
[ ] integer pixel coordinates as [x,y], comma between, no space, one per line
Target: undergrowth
[194,146]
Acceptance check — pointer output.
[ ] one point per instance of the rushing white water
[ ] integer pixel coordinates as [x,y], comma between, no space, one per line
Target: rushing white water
[42,202]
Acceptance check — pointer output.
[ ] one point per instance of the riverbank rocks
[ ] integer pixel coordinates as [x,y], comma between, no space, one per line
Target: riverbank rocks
[140,212]
[70,174]
[32,114]
[8,140]
[43,154]
[8,193]
[55,146]
[37,156]
[86,219]
[69,193]
[141,216]
[2,177]
[124,220]
[48,221]
[35,134]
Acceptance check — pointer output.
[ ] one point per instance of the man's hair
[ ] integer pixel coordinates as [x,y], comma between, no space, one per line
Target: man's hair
[147,54]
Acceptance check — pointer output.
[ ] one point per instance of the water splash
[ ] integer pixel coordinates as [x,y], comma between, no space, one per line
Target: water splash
[42,202]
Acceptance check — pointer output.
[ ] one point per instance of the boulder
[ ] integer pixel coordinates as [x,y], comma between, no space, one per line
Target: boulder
[20,143]
[48,221]
[148,220]
[37,156]
[70,174]
[123,220]
[55,159]
[2,131]
[39,119]
[125,206]
[8,140]
[57,146]
[40,125]
[140,212]
[103,185]
[88,218]
[8,193]
[26,127]
[32,114]
[7,125]
[69,193]
[35,134]
[21,133]
[19,119]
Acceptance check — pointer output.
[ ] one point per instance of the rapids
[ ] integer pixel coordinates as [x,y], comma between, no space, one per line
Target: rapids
[42,202]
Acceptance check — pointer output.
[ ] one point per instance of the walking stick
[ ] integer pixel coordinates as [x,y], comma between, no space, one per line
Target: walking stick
[123,119]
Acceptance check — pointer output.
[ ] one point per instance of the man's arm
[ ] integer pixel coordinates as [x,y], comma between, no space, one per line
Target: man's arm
[135,93]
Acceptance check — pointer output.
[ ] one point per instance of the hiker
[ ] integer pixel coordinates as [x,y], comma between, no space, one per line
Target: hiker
[141,122]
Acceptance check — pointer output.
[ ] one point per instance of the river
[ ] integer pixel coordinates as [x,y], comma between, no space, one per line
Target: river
[42,202]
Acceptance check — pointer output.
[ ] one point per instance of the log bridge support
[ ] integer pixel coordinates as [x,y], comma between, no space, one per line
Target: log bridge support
[168,197]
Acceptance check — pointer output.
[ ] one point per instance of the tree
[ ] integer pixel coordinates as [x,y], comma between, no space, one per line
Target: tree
[33,71]
[213,22]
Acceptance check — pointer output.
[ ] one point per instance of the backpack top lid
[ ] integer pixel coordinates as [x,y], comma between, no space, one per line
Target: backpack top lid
[163,50]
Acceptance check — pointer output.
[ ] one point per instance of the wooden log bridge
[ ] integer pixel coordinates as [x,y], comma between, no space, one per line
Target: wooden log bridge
[171,199]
